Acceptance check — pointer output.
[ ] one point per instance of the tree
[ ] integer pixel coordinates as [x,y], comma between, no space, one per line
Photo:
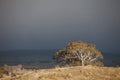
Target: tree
[79,53]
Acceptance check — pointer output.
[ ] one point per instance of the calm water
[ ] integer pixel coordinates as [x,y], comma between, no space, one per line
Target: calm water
[38,58]
[43,58]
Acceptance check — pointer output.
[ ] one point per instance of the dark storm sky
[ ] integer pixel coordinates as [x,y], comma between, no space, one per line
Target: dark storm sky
[51,24]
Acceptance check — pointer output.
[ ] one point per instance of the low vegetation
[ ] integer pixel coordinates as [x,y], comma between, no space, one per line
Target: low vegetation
[66,73]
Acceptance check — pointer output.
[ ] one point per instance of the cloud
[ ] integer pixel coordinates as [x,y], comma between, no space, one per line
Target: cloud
[34,23]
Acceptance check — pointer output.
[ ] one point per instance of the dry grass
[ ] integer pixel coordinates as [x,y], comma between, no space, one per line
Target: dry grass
[70,73]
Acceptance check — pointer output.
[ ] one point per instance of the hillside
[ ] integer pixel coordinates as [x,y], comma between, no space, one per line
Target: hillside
[69,73]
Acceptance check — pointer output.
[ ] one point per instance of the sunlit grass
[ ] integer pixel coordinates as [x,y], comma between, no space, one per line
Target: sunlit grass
[67,73]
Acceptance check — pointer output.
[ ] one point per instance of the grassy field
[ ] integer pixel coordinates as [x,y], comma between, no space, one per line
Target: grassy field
[67,73]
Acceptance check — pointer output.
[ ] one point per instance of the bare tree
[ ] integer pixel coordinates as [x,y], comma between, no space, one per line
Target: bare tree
[78,52]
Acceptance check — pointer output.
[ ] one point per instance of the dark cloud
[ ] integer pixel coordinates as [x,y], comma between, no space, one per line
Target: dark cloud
[46,24]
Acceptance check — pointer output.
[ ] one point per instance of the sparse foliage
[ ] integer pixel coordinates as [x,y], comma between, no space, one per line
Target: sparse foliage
[79,53]
[13,69]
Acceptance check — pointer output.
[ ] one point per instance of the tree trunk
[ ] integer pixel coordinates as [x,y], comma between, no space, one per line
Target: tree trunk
[83,63]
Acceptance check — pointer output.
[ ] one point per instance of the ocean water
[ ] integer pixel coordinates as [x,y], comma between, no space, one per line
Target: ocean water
[43,58]
[31,58]
[111,59]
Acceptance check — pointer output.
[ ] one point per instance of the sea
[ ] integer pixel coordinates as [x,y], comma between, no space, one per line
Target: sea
[44,58]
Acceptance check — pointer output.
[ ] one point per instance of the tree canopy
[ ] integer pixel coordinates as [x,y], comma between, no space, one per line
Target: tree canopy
[79,53]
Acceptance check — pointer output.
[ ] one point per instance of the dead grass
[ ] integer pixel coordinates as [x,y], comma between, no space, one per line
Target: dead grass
[70,73]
